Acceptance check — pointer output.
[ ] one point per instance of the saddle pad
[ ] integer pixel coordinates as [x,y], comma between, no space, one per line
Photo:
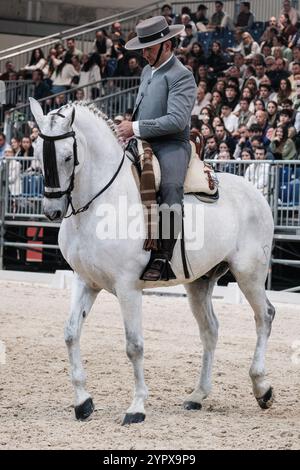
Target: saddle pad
[200,177]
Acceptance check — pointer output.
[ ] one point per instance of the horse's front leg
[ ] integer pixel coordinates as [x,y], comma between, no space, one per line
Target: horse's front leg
[131,307]
[82,300]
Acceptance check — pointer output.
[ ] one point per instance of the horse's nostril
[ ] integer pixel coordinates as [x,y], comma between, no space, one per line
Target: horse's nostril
[58,215]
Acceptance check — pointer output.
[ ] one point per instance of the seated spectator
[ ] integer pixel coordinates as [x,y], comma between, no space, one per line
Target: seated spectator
[201,102]
[278,74]
[285,90]
[216,60]
[245,18]
[224,136]
[286,120]
[262,122]
[205,129]
[272,110]
[295,76]
[249,48]
[287,30]
[186,20]
[187,42]
[245,117]
[290,11]
[198,53]
[266,94]
[243,141]
[216,102]
[247,154]
[259,105]
[281,146]
[211,148]
[231,96]
[229,119]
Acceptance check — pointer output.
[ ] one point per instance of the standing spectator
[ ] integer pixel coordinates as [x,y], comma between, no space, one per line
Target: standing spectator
[90,72]
[72,50]
[258,174]
[15,144]
[3,144]
[63,75]
[245,18]
[220,19]
[14,178]
[9,68]
[37,61]
[103,43]
[200,18]
[41,87]
[187,42]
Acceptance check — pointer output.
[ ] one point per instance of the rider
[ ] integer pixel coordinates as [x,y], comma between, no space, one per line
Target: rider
[161,116]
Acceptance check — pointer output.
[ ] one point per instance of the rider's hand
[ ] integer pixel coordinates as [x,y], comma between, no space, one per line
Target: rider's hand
[125,130]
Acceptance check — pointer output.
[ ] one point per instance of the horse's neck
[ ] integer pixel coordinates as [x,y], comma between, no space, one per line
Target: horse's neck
[99,155]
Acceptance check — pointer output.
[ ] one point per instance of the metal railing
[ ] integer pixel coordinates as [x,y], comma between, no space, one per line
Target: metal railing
[110,90]
[14,92]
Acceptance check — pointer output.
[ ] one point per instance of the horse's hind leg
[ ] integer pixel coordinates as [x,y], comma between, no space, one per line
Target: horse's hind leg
[199,295]
[252,284]
[82,300]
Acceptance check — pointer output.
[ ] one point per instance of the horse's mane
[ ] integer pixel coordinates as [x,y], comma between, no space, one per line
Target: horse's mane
[93,109]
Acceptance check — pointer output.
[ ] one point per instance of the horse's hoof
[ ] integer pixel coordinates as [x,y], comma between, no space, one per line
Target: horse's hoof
[266,401]
[133,418]
[192,405]
[84,410]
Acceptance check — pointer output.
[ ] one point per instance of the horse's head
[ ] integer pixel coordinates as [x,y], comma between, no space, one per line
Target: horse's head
[57,151]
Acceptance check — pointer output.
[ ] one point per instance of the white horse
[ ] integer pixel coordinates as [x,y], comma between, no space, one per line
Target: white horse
[237,235]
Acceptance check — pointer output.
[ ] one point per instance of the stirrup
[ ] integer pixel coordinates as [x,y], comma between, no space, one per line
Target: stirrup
[158,269]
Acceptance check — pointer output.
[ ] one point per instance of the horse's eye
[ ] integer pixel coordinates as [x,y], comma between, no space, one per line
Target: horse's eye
[68,158]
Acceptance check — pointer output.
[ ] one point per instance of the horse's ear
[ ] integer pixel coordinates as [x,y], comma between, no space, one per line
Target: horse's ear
[37,111]
[72,116]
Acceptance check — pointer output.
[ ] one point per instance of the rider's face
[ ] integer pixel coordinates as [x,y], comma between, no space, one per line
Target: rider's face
[150,53]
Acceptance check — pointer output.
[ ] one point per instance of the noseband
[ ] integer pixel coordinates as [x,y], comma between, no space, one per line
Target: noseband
[51,173]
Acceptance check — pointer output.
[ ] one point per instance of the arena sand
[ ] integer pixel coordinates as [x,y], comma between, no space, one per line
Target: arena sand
[36,395]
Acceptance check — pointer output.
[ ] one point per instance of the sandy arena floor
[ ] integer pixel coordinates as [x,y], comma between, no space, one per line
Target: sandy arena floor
[36,394]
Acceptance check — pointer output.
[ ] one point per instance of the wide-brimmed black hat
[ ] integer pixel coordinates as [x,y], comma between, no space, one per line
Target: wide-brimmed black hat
[153,31]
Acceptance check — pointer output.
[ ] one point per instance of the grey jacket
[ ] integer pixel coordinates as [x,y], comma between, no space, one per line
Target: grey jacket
[165,102]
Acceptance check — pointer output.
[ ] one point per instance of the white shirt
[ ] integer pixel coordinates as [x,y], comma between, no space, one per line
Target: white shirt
[135,124]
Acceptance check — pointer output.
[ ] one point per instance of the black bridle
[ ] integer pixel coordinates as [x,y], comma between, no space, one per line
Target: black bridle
[51,173]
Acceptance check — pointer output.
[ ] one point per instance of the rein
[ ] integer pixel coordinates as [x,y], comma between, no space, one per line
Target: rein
[51,172]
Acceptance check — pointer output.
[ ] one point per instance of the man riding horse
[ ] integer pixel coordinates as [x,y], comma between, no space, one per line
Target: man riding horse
[161,116]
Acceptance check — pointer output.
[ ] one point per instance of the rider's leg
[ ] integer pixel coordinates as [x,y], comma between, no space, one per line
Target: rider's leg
[173,158]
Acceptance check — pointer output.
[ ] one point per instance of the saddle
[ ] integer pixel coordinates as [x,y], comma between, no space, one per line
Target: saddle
[200,181]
